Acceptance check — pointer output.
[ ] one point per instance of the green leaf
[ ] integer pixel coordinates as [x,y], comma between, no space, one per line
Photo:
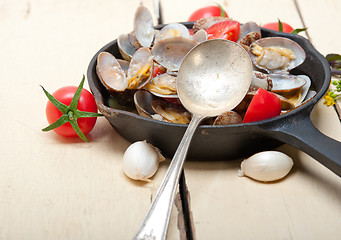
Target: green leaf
[74,101]
[333,57]
[298,30]
[62,120]
[75,127]
[81,114]
[61,106]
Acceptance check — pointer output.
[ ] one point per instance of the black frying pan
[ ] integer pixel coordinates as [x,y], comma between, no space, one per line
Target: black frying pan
[235,141]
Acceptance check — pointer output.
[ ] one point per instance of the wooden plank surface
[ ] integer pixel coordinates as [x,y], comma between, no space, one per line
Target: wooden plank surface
[57,188]
[52,187]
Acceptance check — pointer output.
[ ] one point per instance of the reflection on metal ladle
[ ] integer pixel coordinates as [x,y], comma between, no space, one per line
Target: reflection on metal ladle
[213,78]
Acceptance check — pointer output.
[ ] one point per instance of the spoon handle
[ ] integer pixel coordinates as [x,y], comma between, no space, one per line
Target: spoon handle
[155,224]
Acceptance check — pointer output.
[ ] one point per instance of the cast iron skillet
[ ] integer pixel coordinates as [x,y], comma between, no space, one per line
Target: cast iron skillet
[236,141]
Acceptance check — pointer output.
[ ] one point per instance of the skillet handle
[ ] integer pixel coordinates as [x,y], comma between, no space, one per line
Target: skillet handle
[299,132]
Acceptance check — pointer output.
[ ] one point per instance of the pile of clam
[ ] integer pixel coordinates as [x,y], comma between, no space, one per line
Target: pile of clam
[146,49]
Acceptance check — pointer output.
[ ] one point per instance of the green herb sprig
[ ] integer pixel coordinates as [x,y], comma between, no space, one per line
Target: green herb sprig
[334,92]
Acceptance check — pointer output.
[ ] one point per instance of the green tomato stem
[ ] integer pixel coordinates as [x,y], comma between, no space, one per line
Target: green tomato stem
[70,113]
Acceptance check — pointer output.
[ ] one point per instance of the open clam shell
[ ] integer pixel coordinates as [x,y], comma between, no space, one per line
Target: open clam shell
[143,26]
[305,89]
[126,49]
[170,52]
[143,103]
[163,85]
[285,83]
[124,64]
[276,54]
[172,30]
[110,72]
[140,69]
[171,112]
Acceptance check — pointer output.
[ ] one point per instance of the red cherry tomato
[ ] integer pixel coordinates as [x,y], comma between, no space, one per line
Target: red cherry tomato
[86,103]
[226,30]
[205,12]
[275,26]
[263,105]
[157,71]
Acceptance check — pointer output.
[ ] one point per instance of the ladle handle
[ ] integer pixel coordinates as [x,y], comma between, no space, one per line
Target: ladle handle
[302,134]
[155,224]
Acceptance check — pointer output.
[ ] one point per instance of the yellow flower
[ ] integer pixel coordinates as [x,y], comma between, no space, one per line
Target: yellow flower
[328,100]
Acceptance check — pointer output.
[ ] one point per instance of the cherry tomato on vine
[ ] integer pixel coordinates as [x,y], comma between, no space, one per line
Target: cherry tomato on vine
[71,111]
[208,11]
[228,30]
[263,105]
[275,26]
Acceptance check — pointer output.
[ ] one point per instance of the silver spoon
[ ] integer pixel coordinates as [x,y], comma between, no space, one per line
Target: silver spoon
[213,78]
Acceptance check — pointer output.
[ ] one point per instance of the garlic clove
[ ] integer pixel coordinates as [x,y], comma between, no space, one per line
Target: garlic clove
[141,161]
[266,166]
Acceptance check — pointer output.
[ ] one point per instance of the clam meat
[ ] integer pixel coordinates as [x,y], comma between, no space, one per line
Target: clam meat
[276,54]
[140,69]
[171,112]
[272,57]
[163,85]
[172,30]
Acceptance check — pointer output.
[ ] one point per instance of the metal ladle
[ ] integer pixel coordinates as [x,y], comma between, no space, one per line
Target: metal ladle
[213,78]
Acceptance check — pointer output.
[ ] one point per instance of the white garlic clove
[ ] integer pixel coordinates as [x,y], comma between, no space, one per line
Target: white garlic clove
[141,160]
[266,166]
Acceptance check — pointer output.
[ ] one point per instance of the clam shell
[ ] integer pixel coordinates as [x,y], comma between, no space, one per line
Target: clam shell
[171,112]
[228,118]
[309,96]
[143,26]
[143,101]
[207,22]
[250,32]
[170,52]
[297,97]
[124,64]
[142,58]
[285,83]
[260,80]
[286,104]
[126,49]
[200,36]
[110,72]
[305,89]
[172,30]
[279,42]
[133,41]
[163,85]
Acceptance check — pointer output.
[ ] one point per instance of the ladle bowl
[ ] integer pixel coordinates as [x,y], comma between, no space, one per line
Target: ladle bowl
[213,78]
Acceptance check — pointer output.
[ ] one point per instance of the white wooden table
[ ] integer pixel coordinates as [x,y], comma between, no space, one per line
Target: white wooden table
[57,188]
